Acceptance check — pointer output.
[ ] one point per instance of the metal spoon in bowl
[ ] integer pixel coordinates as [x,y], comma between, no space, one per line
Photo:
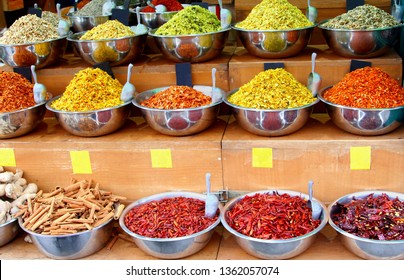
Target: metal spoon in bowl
[314,80]
[139,28]
[212,202]
[39,89]
[225,16]
[311,12]
[314,206]
[213,82]
[128,89]
[397,10]
[63,25]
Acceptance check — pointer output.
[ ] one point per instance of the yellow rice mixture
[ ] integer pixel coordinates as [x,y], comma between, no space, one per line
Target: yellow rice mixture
[111,29]
[272,89]
[90,89]
[275,15]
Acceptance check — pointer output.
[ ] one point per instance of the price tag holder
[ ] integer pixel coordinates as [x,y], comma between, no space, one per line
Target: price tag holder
[183,74]
[7,157]
[35,11]
[360,158]
[161,158]
[121,15]
[357,64]
[352,4]
[105,66]
[24,71]
[262,158]
[81,163]
[273,65]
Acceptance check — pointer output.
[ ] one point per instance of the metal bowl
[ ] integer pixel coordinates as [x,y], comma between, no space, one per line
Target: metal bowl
[364,247]
[115,51]
[180,122]
[276,249]
[91,123]
[40,54]
[360,121]
[21,122]
[191,48]
[274,43]
[85,23]
[154,20]
[360,43]
[170,248]
[72,246]
[267,122]
[8,231]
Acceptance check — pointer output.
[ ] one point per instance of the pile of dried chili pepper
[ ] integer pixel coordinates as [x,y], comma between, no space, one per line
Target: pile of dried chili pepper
[171,5]
[373,217]
[272,216]
[368,87]
[169,218]
[16,92]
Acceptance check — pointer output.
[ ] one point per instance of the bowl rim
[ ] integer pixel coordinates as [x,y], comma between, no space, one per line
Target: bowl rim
[60,38]
[232,105]
[229,205]
[13,220]
[28,108]
[152,13]
[320,25]
[152,31]
[72,37]
[73,15]
[233,26]
[361,194]
[160,196]
[49,107]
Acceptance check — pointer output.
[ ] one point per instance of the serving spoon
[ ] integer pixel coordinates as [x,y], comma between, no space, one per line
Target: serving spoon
[128,89]
[314,206]
[139,28]
[63,25]
[211,202]
[311,12]
[314,80]
[225,16]
[39,89]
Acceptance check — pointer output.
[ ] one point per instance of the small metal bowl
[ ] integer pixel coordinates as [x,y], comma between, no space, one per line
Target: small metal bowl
[276,249]
[91,123]
[8,231]
[267,122]
[180,122]
[360,43]
[191,48]
[361,121]
[117,51]
[72,246]
[364,247]
[154,20]
[170,248]
[274,43]
[40,54]
[85,23]
[21,122]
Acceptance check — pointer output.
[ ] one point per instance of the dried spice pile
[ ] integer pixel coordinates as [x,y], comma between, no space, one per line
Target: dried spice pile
[92,8]
[272,216]
[111,29]
[52,18]
[274,15]
[16,92]
[272,89]
[372,217]
[171,5]
[368,87]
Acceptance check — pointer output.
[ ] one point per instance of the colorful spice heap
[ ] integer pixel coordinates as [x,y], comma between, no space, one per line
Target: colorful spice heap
[111,29]
[272,89]
[169,218]
[177,97]
[367,87]
[362,17]
[171,5]
[190,20]
[90,89]
[52,18]
[16,92]
[272,216]
[373,217]
[92,8]
[274,15]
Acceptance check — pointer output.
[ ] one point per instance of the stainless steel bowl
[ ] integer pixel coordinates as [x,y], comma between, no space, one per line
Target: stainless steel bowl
[364,247]
[275,249]
[367,122]
[21,122]
[274,43]
[170,248]
[191,48]
[115,51]
[91,123]
[181,122]
[360,43]
[8,231]
[72,246]
[85,23]
[40,54]
[155,20]
[266,122]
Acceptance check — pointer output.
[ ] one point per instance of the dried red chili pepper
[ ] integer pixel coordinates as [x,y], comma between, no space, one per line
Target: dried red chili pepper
[171,5]
[373,217]
[272,216]
[169,218]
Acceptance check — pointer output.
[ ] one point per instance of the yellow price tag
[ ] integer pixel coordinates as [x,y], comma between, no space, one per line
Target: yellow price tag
[7,157]
[81,163]
[161,158]
[360,158]
[262,157]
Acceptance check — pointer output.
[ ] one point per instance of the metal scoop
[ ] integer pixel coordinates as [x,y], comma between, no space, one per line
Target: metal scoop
[139,28]
[128,89]
[397,10]
[311,12]
[39,89]
[63,25]
[225,16]
[314,80]
[313,205]
[212,202]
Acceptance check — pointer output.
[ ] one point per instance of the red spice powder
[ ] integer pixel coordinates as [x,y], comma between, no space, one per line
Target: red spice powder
[171,5]
[16,92]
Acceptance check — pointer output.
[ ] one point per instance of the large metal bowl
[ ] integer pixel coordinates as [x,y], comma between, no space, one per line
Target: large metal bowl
[274,43]
[364,247]
[8,231]
[117,51]
[267,122]
[21,122]
[154,20]
[191,48]
[85,23]
[91,123]
[180,122]
[40,54]
[170,248]
[360,43]
[72,246]
[276,249]
[360,121]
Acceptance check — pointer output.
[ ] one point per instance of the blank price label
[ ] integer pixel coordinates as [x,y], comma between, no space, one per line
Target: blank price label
[81,163]
[360,158]
[262,157]
[7,157]
[161,158]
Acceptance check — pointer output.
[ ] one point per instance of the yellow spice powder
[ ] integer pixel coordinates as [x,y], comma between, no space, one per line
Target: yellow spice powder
[111,29]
